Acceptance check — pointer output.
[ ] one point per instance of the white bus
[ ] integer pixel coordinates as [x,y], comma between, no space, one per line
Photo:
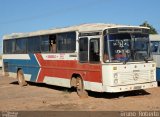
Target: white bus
[155,48]
[97,57]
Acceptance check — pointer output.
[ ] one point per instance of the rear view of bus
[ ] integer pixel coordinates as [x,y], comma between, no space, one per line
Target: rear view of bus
[127,61]
[155,49]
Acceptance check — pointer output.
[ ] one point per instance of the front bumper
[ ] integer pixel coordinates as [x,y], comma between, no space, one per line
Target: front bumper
[129,87]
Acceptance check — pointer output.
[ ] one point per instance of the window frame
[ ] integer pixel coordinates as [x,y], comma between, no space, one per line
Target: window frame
[63,37]
[87,59]
[31,40]
[47,38]
[158,49]
[98,40]
[20,51]
[44,44]
[5,46]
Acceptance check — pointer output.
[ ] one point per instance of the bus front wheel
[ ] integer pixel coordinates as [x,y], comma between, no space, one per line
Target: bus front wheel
[20,77]
[80,88]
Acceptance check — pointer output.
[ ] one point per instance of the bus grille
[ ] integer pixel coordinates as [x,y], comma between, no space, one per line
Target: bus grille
[134,77]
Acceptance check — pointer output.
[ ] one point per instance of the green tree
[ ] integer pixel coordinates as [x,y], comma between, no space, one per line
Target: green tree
[152,29]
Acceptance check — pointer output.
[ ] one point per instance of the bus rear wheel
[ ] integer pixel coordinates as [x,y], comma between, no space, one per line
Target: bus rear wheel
[20,77]
[80,88]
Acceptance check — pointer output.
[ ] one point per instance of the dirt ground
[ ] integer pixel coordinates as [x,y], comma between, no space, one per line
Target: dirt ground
[44,97]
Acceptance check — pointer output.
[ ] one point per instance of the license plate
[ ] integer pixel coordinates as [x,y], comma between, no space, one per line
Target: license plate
[137,87]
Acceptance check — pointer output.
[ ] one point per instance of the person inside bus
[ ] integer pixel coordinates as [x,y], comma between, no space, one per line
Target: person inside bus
[53,46]
[119,55]
[105,57]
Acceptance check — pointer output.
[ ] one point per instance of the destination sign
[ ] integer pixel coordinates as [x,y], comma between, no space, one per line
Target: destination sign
[127,30]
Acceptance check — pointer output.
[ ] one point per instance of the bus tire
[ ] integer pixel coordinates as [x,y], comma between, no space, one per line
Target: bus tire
[73,82]
[20,77]
[80,88]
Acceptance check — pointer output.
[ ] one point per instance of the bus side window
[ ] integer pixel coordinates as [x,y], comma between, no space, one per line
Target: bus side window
[155,47]
[94,50]
[44,44]
[52,41]
[83,50]
[9,46]
[21,46]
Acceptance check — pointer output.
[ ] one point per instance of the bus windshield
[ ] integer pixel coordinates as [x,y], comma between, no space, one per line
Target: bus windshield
[124,47]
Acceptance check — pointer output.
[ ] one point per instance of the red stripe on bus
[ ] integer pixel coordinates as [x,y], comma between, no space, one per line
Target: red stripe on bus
[66,68]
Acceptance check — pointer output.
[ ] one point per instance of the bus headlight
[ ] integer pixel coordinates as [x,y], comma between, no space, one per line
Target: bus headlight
[152,74]
[115,81]
[115,75]
[153,65]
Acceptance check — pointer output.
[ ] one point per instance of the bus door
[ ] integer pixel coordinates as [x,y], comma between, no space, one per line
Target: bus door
[94,50]
[89,56]
[89,50]
[95,73]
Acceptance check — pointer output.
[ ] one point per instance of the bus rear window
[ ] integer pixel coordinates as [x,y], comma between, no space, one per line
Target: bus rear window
[21,46]
[9,46]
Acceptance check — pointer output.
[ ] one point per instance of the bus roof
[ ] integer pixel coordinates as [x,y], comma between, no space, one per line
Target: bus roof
[154,37]
[80,28]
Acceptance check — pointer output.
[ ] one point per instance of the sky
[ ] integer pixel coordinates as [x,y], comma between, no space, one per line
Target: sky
[33,15]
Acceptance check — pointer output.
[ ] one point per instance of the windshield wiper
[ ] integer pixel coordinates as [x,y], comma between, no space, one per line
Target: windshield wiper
[127,58]
[146,59]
